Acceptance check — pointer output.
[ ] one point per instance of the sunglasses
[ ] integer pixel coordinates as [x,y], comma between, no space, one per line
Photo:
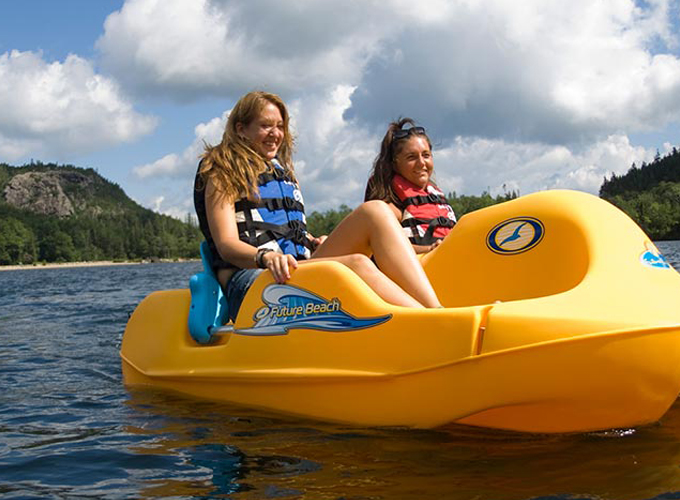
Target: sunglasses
[402,133]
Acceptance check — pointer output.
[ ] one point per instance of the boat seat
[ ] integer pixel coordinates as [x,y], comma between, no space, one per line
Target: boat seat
[208,309]
[465,270]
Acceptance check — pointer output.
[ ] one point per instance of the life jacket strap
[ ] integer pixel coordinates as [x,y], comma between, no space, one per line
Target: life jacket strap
[422,199]
[288,204]
[293,231]
[432,225]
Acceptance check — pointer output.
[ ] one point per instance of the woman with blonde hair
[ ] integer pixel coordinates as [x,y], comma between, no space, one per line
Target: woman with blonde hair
[250,210]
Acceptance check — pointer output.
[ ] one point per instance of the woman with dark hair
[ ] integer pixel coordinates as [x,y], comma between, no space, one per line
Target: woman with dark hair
[250,210]
[402,178]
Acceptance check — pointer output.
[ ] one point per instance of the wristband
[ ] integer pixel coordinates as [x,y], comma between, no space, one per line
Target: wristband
[259,256]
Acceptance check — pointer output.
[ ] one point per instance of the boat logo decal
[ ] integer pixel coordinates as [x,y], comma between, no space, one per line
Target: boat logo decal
[515,235]
[653,258]
[287,307]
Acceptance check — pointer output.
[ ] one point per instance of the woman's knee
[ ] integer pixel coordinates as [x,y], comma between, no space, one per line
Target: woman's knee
[358,262]
[376,210]
[371,206]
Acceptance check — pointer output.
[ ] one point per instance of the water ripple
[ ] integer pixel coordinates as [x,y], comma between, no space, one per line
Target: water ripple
[69,429]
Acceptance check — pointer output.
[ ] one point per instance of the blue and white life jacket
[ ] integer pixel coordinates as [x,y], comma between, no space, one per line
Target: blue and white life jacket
[276,219]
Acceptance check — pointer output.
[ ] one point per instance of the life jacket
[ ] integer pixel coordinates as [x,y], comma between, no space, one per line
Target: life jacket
[276,219]
[426,215]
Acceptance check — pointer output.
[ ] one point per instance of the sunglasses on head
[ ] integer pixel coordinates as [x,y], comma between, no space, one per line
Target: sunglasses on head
[405,132]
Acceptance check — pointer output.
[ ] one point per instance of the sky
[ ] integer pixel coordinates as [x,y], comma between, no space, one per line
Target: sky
[516,96]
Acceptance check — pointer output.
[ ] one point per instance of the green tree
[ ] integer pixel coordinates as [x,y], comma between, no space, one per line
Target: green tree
[17,243]
[656,210]
[469,203]
[323,223]
[57,246]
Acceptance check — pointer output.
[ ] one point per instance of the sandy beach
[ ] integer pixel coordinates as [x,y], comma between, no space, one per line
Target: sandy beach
[66,264]
[81,264]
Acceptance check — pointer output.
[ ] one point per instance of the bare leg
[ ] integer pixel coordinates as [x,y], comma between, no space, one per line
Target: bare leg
[373,229]
[387,289]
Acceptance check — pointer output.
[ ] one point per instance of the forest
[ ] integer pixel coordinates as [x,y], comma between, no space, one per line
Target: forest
[107,225]
[27,238]
[650,195]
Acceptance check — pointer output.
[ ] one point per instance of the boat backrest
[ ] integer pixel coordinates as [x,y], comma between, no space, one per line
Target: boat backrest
[530,247]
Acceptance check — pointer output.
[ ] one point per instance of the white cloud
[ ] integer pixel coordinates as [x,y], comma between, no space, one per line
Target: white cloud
[334,155]
[173,174]
[528,95]
[474,165]
[174,202]
[157,203]
[61,108]
[190,49]
[536,71]
[185,163]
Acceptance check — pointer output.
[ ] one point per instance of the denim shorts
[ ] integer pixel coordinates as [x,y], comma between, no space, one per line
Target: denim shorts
[237,287]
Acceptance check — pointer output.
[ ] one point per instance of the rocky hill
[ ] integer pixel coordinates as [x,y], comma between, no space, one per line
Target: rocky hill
[61,191]
[61,213]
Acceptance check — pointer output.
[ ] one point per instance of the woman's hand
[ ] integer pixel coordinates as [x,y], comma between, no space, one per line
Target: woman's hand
[317,241]
[434,245]
[280,265]
[426,248]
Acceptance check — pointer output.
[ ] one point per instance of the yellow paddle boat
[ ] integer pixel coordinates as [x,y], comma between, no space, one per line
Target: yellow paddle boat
[560,316]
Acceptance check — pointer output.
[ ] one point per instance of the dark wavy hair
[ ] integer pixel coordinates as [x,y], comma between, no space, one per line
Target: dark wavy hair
[379,186]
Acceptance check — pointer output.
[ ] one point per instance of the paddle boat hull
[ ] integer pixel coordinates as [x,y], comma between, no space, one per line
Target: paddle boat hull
[561,316]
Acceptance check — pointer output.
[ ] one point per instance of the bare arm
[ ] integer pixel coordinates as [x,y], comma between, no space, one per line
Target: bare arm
[222,222]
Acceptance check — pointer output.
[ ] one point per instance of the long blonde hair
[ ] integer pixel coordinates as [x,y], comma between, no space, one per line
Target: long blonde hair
[233,166]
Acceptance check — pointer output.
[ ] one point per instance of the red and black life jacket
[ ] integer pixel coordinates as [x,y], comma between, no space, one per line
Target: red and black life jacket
[426,216]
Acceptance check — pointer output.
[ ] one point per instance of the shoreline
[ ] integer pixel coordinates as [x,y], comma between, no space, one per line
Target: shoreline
[98,263]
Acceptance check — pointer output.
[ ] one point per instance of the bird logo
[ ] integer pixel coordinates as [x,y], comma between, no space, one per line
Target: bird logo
[515,235]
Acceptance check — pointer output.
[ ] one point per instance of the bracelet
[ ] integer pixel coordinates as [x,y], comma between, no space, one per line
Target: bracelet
[259,262]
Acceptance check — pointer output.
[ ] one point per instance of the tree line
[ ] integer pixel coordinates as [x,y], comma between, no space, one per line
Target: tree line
[650,195]
[124,231]
[27,238]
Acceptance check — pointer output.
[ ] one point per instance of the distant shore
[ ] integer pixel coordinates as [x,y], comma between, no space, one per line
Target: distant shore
[99,263]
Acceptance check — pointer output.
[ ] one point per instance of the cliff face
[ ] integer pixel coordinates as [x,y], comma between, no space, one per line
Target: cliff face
[39,192]
[61,192]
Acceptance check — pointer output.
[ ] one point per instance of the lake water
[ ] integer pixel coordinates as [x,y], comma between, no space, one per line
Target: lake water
[70,429]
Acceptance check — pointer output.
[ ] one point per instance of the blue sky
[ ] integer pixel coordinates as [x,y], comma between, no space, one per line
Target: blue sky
[55,28]
[531,95]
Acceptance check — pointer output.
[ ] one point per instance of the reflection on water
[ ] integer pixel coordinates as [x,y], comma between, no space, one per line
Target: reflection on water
[70,429]
[260,456]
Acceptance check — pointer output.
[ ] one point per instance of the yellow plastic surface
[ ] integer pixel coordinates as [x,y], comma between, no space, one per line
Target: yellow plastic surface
[573,333]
